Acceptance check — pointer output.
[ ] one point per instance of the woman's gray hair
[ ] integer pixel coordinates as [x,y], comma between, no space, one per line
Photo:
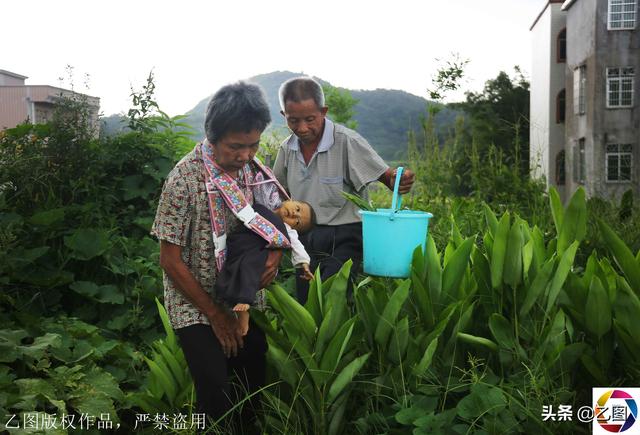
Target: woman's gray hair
[238,107]
[299,89]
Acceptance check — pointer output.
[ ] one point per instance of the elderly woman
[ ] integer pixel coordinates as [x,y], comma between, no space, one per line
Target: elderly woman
[205,197]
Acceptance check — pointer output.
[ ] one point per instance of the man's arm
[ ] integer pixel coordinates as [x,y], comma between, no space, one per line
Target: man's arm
[224,325]
[388,178]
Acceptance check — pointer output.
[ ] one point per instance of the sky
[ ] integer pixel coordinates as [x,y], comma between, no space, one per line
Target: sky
[194,47]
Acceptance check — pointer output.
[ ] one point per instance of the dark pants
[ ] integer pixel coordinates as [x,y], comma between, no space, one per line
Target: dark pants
[329,247]
[212,371]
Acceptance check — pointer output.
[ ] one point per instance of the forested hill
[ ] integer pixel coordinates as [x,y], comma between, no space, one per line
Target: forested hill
[384,116]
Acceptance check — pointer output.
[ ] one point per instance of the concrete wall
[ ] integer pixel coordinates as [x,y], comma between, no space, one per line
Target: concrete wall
[615,48]
[10,79]
[590,43]
[581,39]
[36,104]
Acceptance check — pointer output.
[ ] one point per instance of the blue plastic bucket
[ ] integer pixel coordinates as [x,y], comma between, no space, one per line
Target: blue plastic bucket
[390,236]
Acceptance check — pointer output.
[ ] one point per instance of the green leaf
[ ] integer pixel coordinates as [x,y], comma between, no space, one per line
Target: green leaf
[512,273]
[483,399]
[288,369]
[166,324]
[477,341]
[455,269]
[359,202]
[574,224]
[294,313]
[41,345]
[502,331]
[622,254]
[336,347]
[345,377]
[315,298]
[21,257]
[537,286]
[527,256]
[390,314]
[564,266]
[499,251]
[490,216]
[425,362]
[598,309]
[104,293]
[434,271]
[138,186]
[399,341]
[87,243]
[557,210]
[47,217]
[164,378]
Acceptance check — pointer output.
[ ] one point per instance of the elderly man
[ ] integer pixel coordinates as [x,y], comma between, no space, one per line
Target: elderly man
[205,197]
[316,163]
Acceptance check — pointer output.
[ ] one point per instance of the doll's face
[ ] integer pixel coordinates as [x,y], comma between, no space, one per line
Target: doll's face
[297,214]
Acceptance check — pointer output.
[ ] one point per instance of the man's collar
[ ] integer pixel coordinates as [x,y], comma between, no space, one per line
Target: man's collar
[325,143]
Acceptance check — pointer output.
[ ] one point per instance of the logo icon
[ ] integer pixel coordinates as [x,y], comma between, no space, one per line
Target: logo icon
[615,411]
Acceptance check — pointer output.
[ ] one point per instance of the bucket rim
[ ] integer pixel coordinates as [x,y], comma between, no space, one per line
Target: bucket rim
[399,213]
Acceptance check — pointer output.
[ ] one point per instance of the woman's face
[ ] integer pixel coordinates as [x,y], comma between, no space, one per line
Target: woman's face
[235,149]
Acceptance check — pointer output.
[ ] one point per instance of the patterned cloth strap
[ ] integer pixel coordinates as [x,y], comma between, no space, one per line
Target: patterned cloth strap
[269,177]
[223,190]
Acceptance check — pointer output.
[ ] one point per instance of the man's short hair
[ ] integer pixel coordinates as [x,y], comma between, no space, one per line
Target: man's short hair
[235,108]
[299,89]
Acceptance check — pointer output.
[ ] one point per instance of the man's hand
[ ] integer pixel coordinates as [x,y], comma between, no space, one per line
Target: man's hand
[271,267]
[406,181]
[228,331]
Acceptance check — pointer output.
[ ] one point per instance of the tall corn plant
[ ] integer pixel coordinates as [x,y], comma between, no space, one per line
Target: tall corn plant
[314,349]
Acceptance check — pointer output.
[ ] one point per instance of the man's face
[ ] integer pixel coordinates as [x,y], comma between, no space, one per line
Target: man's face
[235,149]
[305,119]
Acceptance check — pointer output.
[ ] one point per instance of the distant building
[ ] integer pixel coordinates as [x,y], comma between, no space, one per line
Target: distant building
[585,122]
[21,103]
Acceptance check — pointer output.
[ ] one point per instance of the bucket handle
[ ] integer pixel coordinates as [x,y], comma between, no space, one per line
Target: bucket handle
[397,198]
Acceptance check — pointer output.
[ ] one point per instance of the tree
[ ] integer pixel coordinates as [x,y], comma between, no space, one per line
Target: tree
[499,115]
[341,104]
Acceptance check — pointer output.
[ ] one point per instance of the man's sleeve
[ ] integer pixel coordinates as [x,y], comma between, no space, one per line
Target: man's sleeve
[173,216]
[364,165]
[280,166]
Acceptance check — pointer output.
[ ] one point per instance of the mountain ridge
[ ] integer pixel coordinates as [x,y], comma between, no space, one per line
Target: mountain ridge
[384,116]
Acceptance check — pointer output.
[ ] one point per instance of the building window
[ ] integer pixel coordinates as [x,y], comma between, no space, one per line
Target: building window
[619,162]
[579,163]
[579,89]
[561,46]
[620,87]
[560,171]
[560,106]
[622,14]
